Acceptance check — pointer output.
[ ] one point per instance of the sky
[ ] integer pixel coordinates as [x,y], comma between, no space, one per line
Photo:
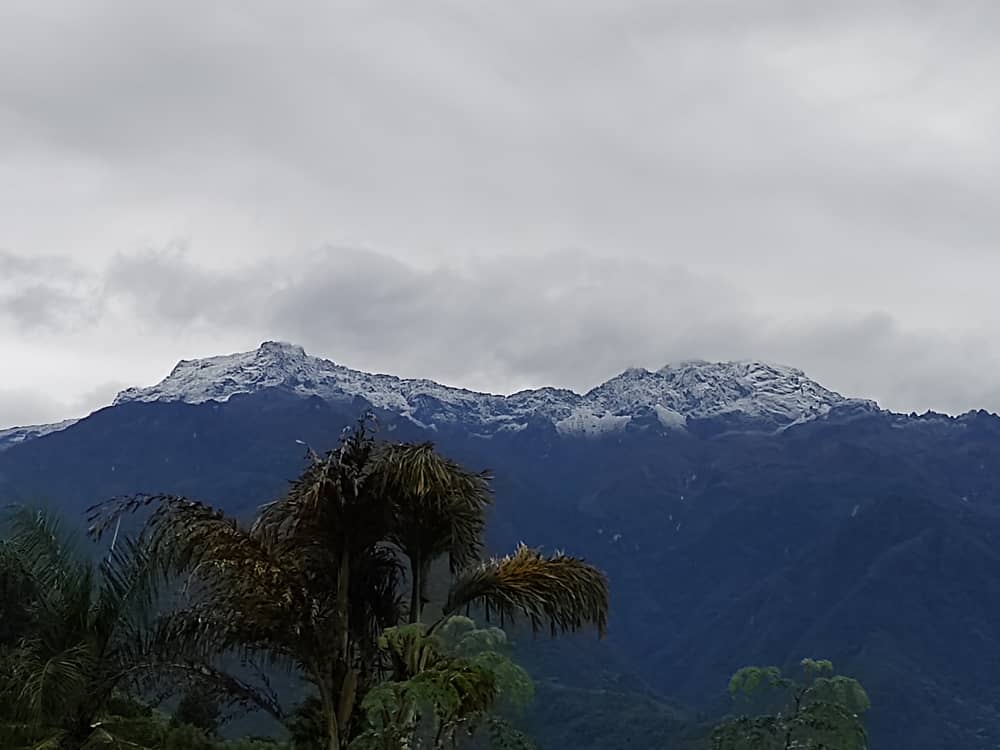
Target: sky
[500,195]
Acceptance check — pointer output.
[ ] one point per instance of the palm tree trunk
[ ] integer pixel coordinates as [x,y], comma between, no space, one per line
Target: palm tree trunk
[332,731]
[342,636]
[329,709]
[416,589]
[342,625]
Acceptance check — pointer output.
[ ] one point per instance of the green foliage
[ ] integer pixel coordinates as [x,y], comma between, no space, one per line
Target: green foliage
[597,709]
[448,687]
[199,707]
[822,712]
[83,637]
[750,680]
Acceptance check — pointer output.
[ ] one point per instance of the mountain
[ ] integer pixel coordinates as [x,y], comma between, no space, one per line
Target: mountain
[744,513]
[751,395]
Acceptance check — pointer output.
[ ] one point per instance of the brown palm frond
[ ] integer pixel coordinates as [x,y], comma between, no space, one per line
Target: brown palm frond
[241,593]
[187,536]
[439,508]
[418,469]
[106,516]
[563,592]
[330,505]
[376,603]
[204,631]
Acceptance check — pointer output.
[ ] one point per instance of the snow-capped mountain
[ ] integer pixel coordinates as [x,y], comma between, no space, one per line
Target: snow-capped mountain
[684,525]
[753,394]
[771,395]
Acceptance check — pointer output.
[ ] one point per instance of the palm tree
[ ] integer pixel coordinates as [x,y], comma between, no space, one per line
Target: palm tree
[81,640]
[317,577]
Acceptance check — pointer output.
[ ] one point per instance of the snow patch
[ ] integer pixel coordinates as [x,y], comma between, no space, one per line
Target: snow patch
[672,420]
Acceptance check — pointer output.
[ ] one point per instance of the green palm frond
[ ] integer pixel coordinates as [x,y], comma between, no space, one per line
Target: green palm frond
[46,551]
[18,592]
[50,683]
[14,734]
[131,579]
[102,739]
[52,741]
[562,592]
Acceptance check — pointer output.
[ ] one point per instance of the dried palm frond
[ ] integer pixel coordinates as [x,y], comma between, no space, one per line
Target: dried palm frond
[561,591]
[440,507]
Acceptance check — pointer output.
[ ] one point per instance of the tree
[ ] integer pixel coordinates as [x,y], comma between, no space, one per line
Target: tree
[822,712]
[316,580]
[199,707]
[445,687]
[82,631]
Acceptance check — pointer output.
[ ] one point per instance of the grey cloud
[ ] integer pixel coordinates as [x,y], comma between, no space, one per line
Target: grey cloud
[809,183]
[631,125]
[12,264]
[566,319]
[168,287]
[48,292]
[26,406]
[39,305]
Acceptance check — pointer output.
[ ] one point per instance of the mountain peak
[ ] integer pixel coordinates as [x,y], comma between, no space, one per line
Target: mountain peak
[281,348]
[742,394]
[768,395]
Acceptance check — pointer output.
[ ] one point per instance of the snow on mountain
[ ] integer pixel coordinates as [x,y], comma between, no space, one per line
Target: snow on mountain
[762,395]
[773,395]
[14,435]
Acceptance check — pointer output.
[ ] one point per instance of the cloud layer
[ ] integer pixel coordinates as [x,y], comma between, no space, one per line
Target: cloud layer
[500,195]
[499,324]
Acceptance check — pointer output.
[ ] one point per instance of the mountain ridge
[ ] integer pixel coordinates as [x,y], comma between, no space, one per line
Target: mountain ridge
[750,394]
[691,388]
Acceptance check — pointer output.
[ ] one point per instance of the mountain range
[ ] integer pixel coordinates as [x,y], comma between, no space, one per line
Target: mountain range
[744,513]
[751,395]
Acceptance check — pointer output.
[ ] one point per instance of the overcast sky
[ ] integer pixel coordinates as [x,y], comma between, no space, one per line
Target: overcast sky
[501,194]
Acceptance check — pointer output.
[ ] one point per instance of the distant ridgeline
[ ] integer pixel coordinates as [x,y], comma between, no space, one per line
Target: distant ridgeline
[744,514]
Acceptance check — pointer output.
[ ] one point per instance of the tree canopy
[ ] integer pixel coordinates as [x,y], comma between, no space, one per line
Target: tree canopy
[820,711]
